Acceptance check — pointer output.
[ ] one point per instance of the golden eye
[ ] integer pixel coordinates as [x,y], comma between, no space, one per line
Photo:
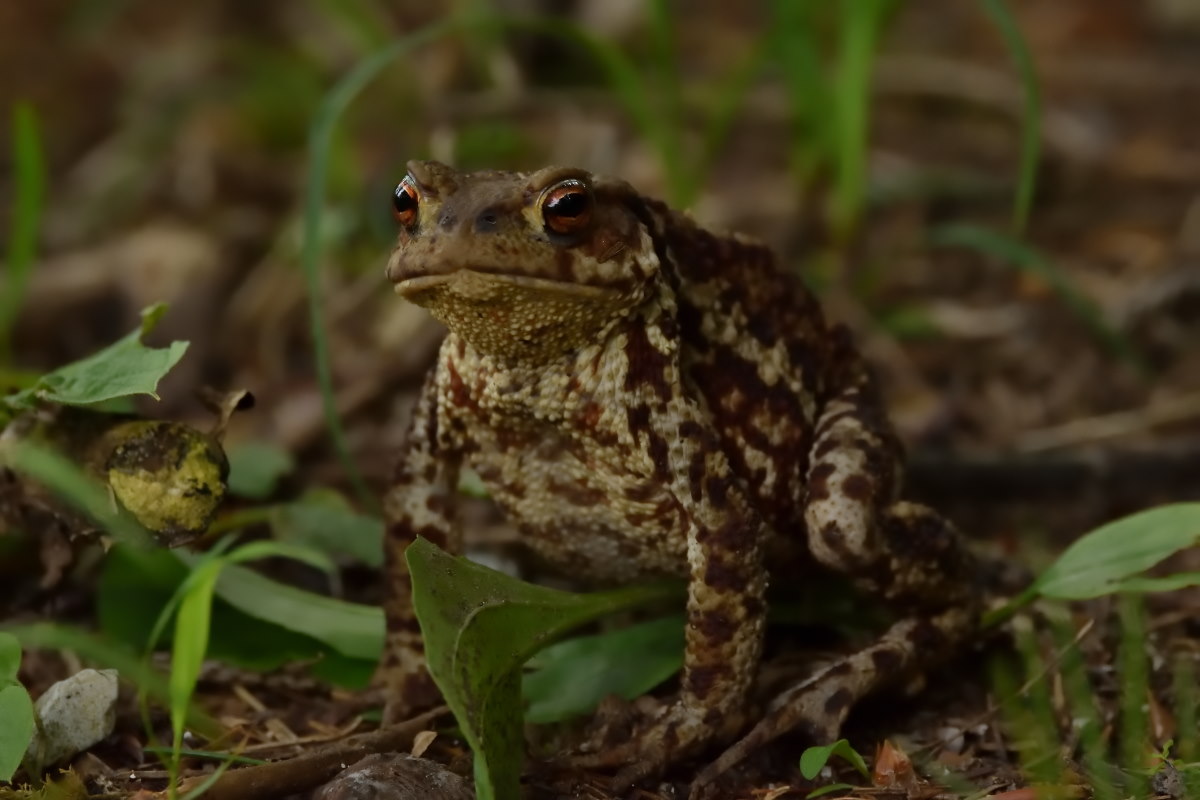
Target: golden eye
[567,206]
[405,201]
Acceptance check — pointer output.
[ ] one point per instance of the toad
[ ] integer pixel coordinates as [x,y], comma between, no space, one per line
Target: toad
[644,397]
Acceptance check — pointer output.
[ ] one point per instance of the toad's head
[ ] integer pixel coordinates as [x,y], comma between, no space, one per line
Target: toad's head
[521,265]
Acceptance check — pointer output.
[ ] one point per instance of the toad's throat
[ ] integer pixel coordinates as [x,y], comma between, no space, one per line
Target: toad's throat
[518,316]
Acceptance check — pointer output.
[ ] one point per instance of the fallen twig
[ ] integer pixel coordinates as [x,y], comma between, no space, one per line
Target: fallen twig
[280,778]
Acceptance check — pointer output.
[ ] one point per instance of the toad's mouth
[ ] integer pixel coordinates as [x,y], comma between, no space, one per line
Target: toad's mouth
[479,283]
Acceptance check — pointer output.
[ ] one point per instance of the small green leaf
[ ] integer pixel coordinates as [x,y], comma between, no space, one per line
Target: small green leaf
[814,759]
[10,657]
[16,730]
[256,467]
[479,627]
[571,678]
[1104,560]
[323,520]
[126,367]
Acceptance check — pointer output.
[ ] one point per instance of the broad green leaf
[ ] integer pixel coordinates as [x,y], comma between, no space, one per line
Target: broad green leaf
[256,467]
[479,627]
[16,727]
[352,629]
[571,677]
[323,520]
[1100,562]
[10,657]
[125,367]
[135,585]
[814,759]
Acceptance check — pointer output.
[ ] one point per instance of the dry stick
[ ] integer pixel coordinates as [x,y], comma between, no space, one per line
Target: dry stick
[280,778]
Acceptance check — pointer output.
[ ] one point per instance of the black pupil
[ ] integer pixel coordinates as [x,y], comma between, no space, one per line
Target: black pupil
[571,203]
[404,199]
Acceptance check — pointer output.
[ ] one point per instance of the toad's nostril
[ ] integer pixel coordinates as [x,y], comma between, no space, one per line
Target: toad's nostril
[486,222]
[447,221]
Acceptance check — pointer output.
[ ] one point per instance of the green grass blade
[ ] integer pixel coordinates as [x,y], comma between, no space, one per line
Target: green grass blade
[861,23]
[670,97]
[192,623]
[1132,670]
[1030,261]
[723,113]
[1186,700]
[1093,753]
[29,179]
[796,44]
[1031,122]
[320,146]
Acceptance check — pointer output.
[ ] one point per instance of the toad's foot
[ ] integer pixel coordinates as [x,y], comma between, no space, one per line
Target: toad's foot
[818,706]
[666,735]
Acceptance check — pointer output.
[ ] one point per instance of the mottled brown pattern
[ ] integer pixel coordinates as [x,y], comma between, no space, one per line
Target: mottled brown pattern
[645,397]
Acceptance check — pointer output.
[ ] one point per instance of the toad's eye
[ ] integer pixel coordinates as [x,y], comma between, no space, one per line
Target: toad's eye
[567,206]
[404,202]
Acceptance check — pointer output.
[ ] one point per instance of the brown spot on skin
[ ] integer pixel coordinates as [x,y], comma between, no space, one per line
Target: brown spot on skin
[639,419]
[858,487]
[659,454]
[831,534]
[827,423]
[700,681]
[837,703]
[647,365]
[824,448]
[577,493]
[818,481]
[460,396]
[436,503]
[403,623]
[718,490]
[642,492]
[696,471]
[723,576]
[887,662]
[590,418]
[690,429]
[715,626]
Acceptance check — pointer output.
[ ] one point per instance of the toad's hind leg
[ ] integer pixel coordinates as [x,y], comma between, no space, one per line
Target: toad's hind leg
[901,552]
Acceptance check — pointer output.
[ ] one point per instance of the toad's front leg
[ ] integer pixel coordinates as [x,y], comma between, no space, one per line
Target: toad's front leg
[725,607]
[419,503]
